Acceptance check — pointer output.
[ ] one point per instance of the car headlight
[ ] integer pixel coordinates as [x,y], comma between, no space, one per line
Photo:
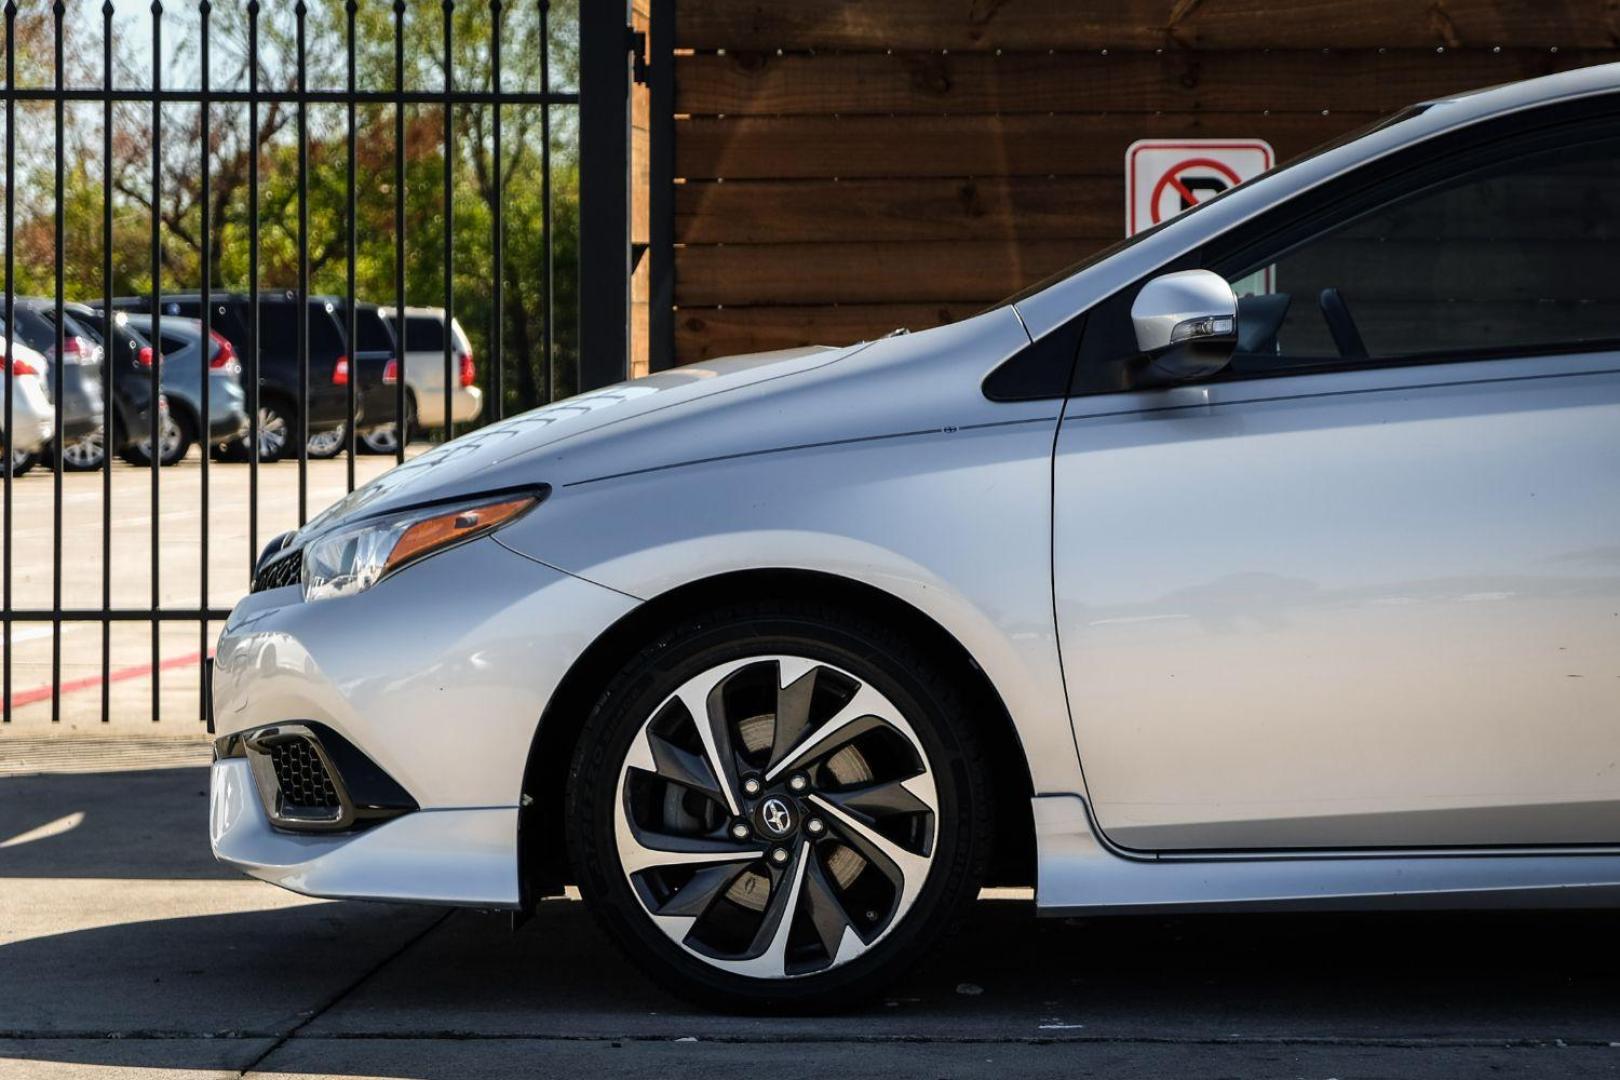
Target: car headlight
[352,560]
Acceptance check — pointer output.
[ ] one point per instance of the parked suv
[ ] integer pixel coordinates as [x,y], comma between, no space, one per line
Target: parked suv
[182,347]
[279,405]
[424,373]
[129,360]
[371,362]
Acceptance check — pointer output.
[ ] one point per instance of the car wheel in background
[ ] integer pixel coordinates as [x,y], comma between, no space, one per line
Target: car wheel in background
[328,444]
[84,453]
[22,461]
[276,424]
[778,808]
[177,438]
[385,439]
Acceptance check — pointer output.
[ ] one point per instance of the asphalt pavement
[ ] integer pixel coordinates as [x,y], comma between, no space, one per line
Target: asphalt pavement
[123,947]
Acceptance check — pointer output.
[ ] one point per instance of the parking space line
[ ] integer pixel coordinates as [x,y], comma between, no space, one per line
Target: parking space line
[43,693]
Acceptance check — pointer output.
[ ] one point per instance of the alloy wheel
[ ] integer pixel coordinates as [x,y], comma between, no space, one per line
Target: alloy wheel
[85,452]
[171,438]
[776,817]
[328,444]
[382,440]
[272,433]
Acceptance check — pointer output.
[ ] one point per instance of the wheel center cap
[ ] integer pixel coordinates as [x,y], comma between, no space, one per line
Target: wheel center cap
[776,817]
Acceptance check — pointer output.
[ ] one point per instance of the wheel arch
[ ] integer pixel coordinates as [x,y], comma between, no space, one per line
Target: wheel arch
[542,855]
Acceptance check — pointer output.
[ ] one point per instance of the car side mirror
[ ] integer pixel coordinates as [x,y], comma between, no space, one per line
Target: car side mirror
[1186,324]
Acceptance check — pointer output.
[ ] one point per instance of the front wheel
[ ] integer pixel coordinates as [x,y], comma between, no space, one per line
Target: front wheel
[328,444]
[778,809]
[176,437]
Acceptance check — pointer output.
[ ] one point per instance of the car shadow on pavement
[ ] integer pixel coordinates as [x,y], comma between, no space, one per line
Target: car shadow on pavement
[182,965]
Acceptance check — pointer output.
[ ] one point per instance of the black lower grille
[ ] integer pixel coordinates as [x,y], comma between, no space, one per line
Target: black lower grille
[283,571]
[301,774]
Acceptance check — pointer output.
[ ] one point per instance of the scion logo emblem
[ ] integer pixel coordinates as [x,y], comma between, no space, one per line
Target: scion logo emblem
[776,816]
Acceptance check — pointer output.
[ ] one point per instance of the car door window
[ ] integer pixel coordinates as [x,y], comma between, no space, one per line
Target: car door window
[1511,256]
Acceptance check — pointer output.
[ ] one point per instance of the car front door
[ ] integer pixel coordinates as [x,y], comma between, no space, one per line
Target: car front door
[1363,588]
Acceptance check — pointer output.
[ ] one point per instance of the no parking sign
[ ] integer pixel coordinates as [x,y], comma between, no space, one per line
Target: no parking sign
[1163,177]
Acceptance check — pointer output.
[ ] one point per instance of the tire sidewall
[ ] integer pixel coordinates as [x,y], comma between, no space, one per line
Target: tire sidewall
[931,709]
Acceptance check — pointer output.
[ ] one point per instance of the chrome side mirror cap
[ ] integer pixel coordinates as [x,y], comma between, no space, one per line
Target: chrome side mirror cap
[1186,324]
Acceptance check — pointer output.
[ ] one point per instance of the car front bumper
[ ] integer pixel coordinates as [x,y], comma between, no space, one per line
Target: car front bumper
[439,675]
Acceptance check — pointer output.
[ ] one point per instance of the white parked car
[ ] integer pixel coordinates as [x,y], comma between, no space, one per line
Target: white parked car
[1144,594]
[423,349]
[33,418]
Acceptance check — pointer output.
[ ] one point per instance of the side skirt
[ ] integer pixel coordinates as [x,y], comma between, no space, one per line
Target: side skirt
[1081,873]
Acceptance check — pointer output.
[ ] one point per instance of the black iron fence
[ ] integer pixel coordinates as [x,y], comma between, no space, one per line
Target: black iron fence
[327,156]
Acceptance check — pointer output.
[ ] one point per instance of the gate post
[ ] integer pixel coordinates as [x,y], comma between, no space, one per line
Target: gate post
[604,192]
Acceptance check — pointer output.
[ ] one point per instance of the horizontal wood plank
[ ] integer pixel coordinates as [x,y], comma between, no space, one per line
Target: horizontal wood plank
[822,211]
[704,333]
[867,273]
[1174,81]
[1062,144]
[1139,24]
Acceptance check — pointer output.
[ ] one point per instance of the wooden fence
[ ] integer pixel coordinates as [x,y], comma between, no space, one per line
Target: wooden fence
[843,168]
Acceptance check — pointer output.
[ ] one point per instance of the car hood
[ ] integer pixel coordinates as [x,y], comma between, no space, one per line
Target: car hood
[501,455]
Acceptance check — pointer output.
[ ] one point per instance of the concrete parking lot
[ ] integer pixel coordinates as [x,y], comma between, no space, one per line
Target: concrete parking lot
[180,554]
[124,947]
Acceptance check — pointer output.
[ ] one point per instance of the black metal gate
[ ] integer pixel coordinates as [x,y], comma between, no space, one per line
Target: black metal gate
[324,109]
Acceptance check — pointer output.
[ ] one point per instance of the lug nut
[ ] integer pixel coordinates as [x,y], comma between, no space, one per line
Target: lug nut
[739,831]
[816,826]
[799,782]
[779,856]
[751,786]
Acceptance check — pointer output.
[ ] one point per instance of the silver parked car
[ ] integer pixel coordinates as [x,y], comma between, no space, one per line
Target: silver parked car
[1149,595]
[33,418]
[182,372]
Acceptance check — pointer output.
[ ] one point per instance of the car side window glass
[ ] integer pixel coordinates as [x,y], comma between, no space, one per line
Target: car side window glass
[1509,258]
[424,334]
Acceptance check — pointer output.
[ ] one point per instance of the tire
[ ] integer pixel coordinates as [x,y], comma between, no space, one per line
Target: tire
[277,422]
[84,454]
[22,461]
[382,440]
[860,905]
[178,435]
[328,444]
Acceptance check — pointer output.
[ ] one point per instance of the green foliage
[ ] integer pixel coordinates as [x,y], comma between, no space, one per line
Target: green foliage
[232,148]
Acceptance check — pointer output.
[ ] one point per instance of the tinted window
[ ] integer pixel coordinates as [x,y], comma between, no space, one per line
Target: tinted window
[423,332]
[278,330]
[1516,256]
[372,332]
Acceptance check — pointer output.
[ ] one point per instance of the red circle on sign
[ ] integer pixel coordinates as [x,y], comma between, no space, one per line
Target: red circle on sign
[1172,179]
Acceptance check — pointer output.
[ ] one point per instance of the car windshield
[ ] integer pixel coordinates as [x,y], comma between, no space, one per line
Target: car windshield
[1115,248]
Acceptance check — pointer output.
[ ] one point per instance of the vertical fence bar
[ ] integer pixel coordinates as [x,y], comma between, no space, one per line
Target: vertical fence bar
[11,313]
[301,12]
[402,424]
[108,355]
[449,211]
[58,368]
[661,199]
[205,419]
[497,389]
[547,287]
[253,285]
[604,200]
[349,301]
[154,428]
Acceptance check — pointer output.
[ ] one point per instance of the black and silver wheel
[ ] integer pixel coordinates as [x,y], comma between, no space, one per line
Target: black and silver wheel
[385,439]
[22,461]
[276,426]
[176,438]
[328,444]
[84,453]
[778,810]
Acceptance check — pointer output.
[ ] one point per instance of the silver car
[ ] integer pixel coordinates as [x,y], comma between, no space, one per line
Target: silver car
[33,418]
[1135,590]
